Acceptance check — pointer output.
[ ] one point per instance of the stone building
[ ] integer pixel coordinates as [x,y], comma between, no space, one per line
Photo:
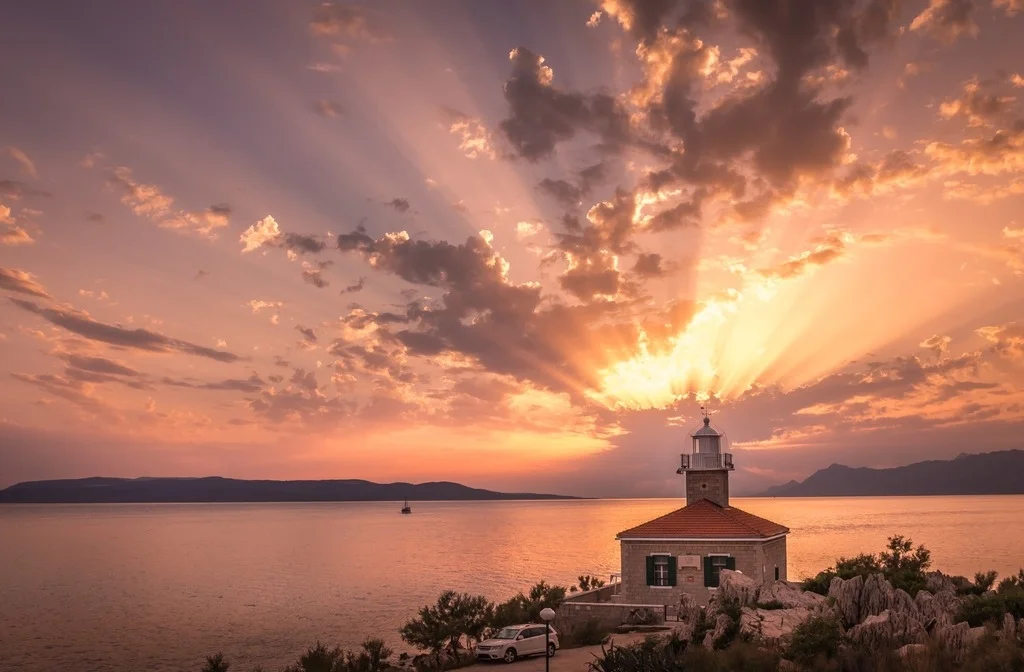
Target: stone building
[684,551]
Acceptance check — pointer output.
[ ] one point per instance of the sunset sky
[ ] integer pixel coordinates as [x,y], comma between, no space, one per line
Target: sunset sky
[511,244]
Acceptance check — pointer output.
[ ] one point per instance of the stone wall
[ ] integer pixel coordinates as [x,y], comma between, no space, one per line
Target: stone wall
[751,559]
[571,615]
[712,485]
[603,594]
[775,556]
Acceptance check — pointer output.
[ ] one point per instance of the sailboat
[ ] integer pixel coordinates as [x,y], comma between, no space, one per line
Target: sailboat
[406,508]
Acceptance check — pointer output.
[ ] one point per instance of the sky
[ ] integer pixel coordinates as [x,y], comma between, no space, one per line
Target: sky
[514,245]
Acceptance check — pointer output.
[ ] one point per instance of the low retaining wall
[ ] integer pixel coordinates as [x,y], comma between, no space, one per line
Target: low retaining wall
[602,594]
[571,615]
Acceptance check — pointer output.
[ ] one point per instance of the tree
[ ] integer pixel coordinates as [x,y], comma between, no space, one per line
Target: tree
[216,663]
[587,582]
[318,658]
[901,564]
[442,626]
[375,657]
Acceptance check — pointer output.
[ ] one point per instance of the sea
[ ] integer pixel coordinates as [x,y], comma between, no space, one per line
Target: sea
[133,587]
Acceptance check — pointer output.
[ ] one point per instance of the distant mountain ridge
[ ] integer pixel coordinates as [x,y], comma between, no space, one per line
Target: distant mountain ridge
[99,490]
[995,473]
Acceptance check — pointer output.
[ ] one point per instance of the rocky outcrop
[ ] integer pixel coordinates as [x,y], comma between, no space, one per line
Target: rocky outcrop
[890,628]
[938,610]
[688,615]
[789,596]
[772,625]
[876,596]
[734,586]
[846,594]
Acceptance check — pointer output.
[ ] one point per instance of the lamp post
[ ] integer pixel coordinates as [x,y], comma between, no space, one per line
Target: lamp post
[548,615]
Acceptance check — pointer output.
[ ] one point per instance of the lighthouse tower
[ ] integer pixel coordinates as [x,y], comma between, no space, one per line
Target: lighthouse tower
[706,466]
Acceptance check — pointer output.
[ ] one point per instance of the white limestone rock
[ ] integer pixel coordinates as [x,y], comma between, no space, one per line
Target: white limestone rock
[733,585]
[846,594]
[789,596]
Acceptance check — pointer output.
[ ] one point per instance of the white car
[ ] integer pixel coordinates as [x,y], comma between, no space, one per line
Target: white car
[516,641]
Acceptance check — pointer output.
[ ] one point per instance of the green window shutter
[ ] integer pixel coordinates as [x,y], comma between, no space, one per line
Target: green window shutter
[709,575]
[650,570]
[776,572]
[672,570]
[730,563]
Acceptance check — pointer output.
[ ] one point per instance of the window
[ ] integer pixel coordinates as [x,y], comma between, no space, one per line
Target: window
[776,572]
[713,565]
[661,570]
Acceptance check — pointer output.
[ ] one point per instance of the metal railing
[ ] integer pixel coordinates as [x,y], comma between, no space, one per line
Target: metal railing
[700,461]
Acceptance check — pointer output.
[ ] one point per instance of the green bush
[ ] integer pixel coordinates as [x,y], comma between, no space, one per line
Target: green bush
[990,607]
[589,633]
[816,638]
[900,563]
[216,663]
[1012,582]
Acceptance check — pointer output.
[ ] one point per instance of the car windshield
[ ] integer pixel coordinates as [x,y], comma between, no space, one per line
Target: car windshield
[506,633]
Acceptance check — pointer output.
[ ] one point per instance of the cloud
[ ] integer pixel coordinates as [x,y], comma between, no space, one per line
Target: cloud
[328,109]
[829,249]
[1011,7]
[335,20]
[94,217]
[1001,152]
[307,333]
[528,229]
[474,138]
[23,282]
[541,116]
[259,234]
[15,190]
[313,273]
[147,200]
[568,193]
[11,234]
[140,339]
[649,265]
[27,166]
[977,106]
[357,286]
[946,20]
[399,204]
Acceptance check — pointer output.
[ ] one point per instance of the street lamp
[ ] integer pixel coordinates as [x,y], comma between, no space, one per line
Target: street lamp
[548,614]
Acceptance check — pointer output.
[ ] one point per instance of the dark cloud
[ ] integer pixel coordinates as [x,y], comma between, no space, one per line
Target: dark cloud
[94,217]
[504,326]
[98,365]
[307,333]
[302,244]
[139,339]
[313,274]
[14,189]
[328,109]
[399,204]
[648,265]
[248,385]
[200,274]
[568,193]
[541,116]
[357,286]
[14,280]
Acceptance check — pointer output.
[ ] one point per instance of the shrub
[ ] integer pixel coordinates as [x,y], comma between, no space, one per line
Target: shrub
[741,656]
[216,663]
[770,605]
[816,638]
[990,607]
[642,616]
[902,565]
[318,658]
[587,582]
[526,608]
[1012,582]
[589,633]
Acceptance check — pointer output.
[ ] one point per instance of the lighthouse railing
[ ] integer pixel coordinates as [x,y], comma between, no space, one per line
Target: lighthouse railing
[702,461]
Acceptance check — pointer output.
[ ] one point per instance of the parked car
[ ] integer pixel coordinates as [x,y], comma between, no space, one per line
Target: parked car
[516,641]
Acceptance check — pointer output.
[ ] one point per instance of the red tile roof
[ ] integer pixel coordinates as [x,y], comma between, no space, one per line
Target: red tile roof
[705,520]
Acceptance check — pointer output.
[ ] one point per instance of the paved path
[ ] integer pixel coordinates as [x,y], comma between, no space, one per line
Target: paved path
[566,660]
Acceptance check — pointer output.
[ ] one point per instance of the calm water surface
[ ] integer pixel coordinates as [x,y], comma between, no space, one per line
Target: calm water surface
[119,588]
